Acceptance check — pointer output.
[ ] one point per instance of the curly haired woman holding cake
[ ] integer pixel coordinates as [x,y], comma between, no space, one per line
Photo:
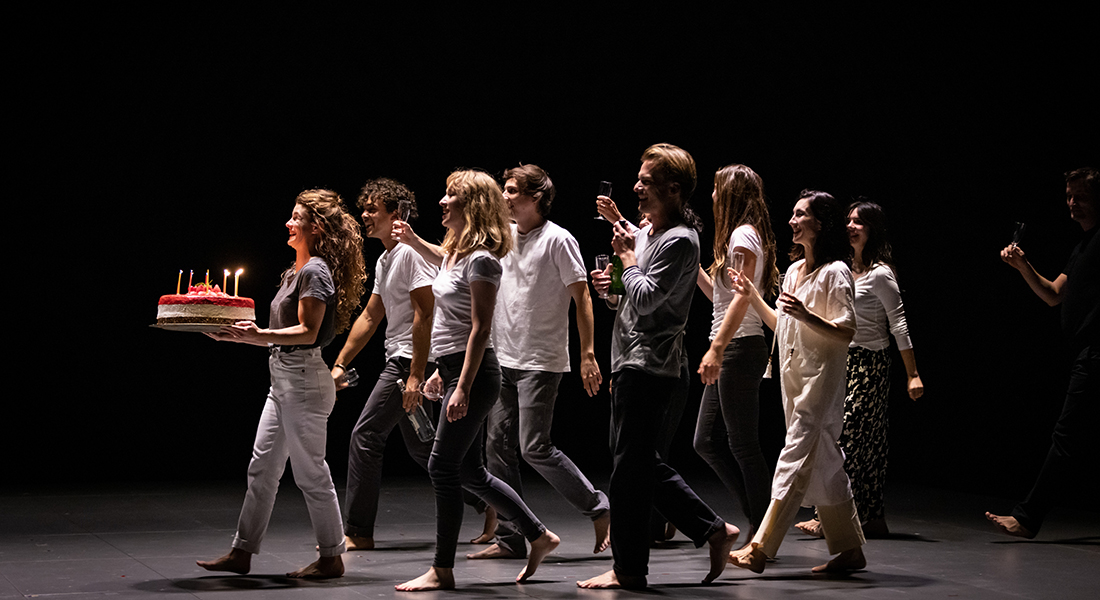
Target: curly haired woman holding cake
[469,376]
[315,302]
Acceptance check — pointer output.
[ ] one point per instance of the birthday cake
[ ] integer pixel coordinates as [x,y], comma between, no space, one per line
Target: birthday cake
[203,308]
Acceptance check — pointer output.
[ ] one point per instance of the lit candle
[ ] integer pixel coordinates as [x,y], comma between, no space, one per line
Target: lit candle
[224,277]
[236,280]
[208,278]
[189,278]
[178,279]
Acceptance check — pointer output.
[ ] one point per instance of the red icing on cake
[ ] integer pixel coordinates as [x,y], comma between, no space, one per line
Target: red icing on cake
[239,301]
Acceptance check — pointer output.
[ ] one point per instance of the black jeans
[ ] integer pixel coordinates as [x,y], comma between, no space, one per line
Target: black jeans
[727,433]
[1073,436]
[640,478]
[458,460]
[381,413]
[670,423]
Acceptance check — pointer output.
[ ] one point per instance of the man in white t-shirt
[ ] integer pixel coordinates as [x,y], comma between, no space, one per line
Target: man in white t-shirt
[542,274]
[402,294]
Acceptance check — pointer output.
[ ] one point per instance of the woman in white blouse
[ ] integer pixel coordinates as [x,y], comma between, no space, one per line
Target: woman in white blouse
[465,293]
[879,314]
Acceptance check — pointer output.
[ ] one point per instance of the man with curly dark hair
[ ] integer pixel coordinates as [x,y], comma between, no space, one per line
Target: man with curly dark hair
[402,294]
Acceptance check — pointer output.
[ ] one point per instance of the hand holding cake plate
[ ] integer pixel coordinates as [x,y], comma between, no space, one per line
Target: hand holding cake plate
[242,332]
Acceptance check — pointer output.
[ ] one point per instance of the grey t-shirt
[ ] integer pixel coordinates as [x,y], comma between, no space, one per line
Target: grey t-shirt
[652,316]
[314,280]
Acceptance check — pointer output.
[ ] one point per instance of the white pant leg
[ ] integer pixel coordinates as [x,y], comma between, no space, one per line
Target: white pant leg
[294,425]
[269,456]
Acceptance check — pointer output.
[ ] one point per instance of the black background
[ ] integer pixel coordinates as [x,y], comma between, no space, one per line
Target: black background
[154,138]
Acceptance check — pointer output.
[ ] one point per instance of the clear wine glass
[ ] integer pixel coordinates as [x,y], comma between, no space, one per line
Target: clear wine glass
[602,260]
[604,190]
[738,261]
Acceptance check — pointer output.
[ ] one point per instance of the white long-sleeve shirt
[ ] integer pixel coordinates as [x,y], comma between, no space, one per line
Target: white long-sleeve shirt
[879,311]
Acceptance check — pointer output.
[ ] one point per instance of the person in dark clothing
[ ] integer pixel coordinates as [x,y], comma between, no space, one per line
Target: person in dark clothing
[1077,290]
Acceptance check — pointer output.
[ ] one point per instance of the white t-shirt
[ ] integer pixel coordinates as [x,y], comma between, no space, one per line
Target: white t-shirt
[879,311]
[397,273]
[453,317]
[531,322]
[746,237]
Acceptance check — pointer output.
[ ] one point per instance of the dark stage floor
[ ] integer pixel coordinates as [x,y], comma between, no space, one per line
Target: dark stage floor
[141,541]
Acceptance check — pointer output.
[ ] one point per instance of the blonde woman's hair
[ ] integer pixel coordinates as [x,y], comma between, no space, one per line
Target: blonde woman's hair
[340,244]
[740,201]
[485,213]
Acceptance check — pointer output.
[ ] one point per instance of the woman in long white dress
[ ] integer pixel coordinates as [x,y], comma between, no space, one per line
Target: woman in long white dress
[817,324]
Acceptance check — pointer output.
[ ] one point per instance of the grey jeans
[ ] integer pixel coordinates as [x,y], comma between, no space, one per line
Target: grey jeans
[294,425]
[520,421]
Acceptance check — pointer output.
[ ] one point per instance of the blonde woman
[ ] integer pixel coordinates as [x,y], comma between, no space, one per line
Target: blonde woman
[478,235]
[314,303]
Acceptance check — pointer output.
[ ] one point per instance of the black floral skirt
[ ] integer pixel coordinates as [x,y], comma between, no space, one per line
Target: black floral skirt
[864,435]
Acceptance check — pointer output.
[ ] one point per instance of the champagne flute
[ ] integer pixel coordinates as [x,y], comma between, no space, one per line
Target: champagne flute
[782,279]
[1018,234]
[738,261]
[604,190]
[602,260]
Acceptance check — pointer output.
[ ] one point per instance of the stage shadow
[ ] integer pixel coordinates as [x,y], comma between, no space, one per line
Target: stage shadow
[558,560]
[397,547]
[903,537]
[1091,540]
[899,537]
[229,583]
[862,579]
[671,544]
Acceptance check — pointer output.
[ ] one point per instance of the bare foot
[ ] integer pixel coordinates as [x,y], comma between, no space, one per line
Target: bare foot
[539,549]
[750,557]
[811,528]
[1010,526]
[603,532]
[237,561]
[720,544]
[488,532]
[355,542]
[326,567]
[494,551]
[613,581]
[434,579]
[849,560]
